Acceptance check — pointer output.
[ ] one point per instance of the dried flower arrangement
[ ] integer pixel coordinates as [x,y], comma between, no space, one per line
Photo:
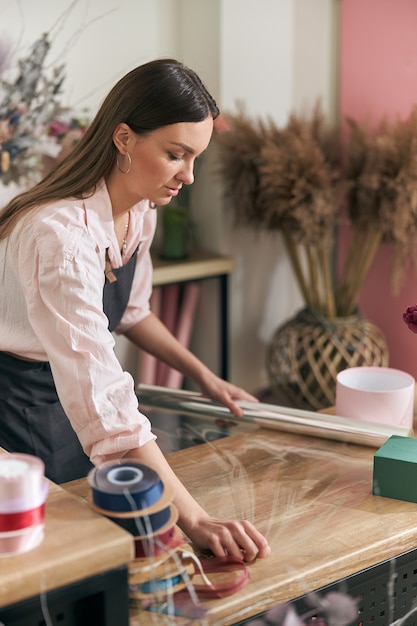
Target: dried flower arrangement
[34,126]
[381,170]
[295,180]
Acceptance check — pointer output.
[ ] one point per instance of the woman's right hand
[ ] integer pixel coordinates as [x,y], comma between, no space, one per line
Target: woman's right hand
[228,537]
[222,537]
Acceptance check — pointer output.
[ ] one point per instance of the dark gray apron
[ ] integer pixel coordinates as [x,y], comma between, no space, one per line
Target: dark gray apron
[32,419]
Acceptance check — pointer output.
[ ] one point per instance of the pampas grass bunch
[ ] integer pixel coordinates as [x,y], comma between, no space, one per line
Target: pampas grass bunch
[381,172]
[288,179]
[298,179]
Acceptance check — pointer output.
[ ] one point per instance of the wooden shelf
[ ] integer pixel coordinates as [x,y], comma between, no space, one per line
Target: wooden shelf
[197,266]
[200,265]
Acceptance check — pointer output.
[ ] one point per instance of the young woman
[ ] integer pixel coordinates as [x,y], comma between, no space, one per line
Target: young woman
[75,265]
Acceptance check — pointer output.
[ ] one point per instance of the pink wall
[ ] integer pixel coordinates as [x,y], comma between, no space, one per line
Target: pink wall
[378,77]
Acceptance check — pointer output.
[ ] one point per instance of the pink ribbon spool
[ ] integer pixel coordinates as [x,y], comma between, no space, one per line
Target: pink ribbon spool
[23,492]
[166,538]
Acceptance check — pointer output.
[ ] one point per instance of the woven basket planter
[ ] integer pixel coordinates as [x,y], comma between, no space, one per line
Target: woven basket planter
[308,351]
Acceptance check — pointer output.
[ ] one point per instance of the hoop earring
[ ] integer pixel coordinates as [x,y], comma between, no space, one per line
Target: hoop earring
[118,164]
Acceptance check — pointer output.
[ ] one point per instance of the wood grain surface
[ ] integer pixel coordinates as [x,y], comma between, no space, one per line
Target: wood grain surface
[313,500]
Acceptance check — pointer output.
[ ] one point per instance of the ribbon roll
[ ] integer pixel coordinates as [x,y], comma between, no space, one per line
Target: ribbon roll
[23,492]
[160,584]
[152,544]
[21,478]
[31,501]
[19,541]
[158,544]
[112,483]
[168,565]
[146,521]
[226,586]
[17,521]
[142,525]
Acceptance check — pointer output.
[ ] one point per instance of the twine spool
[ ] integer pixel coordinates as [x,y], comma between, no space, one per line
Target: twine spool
[307,352]
[23,492]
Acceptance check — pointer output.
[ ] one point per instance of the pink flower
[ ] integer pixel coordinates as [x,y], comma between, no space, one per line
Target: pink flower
[410,318]
[58,128]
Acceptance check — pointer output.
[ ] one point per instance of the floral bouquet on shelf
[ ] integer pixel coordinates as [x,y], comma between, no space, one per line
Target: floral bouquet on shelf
[300,180]
[34,126]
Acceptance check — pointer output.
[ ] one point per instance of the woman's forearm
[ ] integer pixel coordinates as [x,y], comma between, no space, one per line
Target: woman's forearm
[152,336]
[188,509]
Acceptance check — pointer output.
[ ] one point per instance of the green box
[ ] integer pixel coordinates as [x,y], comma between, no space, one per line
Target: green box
[395,469]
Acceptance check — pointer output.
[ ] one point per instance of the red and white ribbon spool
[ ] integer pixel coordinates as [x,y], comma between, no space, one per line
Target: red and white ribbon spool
[23,492]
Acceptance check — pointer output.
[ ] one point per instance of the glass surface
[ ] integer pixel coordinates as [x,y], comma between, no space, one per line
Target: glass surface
[176,431]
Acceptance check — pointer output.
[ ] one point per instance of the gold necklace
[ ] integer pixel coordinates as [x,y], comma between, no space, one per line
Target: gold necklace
[124,240]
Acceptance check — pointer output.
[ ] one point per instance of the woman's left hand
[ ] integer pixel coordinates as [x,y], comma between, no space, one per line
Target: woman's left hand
[226,393]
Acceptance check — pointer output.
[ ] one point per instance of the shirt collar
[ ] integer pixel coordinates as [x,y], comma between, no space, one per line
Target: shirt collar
[99,215]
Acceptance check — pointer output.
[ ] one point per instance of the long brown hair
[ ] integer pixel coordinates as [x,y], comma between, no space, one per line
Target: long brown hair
[153,95]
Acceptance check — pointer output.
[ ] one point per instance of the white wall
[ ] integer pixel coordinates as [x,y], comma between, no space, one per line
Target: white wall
[274,55]
[98,40]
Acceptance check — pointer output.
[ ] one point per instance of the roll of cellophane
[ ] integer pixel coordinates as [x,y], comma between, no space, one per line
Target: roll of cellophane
[271,416]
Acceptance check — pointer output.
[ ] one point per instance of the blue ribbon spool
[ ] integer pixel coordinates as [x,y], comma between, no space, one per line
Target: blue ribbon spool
[163,584]
[113,486]
[143,525]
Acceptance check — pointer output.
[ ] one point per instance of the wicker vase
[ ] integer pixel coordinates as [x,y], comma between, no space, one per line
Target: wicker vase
[308,351]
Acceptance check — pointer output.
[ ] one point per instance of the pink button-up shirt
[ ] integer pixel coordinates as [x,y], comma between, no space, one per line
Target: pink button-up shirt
[51,309]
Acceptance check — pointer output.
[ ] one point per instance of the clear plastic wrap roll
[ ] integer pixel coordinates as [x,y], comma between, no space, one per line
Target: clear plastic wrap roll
[271,416]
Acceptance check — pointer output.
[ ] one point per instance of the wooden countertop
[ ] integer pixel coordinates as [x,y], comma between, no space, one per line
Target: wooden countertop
[311,497]
[313,500]
[78,543]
